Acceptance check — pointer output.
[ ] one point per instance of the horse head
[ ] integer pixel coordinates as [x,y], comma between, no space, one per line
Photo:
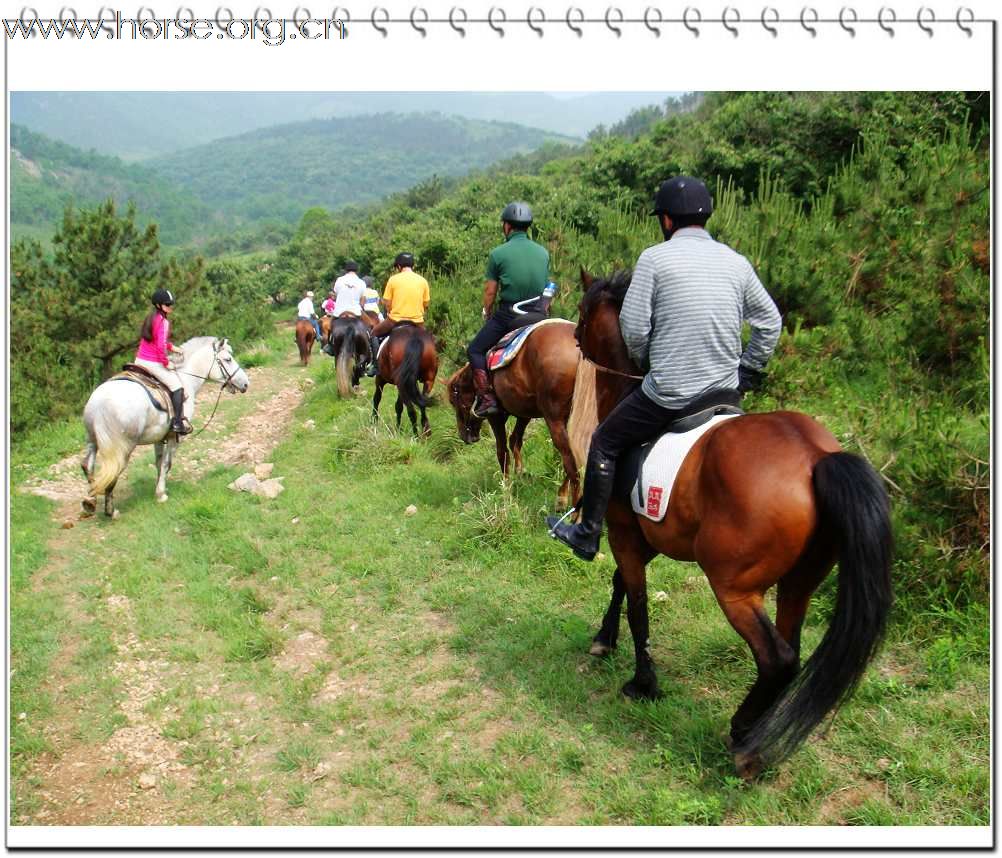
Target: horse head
[597,332]
[461,396]
[225,368]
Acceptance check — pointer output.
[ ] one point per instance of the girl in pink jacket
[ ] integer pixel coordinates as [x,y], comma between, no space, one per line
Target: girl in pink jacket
[154,353]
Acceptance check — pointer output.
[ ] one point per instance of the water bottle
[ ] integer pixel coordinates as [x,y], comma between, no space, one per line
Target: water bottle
[550,290]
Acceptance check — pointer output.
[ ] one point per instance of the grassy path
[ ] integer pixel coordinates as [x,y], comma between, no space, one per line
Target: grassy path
[326,658]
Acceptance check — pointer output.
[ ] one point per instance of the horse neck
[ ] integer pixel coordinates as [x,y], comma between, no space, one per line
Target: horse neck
[609,350]
[196,368]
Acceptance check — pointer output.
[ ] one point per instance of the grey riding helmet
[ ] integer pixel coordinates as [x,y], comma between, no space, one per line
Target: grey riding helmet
[682,195]
[517,214]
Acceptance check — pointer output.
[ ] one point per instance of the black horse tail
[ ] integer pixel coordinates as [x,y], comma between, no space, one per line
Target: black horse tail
[853,512]
[410,371]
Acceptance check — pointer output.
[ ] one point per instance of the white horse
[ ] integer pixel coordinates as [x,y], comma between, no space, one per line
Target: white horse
[119,416]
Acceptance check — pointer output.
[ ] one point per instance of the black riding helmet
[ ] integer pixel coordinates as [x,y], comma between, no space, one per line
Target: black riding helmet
[163,296]
[351,265]
[682,196]
[404,260]
[517,214]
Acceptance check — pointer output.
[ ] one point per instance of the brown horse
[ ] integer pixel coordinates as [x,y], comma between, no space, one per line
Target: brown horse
[348,344]
[305,337]
[539,382]
[760,500]
[408,357]
[325,329]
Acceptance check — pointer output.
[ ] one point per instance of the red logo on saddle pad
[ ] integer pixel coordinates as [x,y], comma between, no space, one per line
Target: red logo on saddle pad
[654,499]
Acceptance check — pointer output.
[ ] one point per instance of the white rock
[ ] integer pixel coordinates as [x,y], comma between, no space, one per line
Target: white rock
[660,596]
[295,520]
[263,471]
[244,483]
[411,510]
[147,781]
[310,424]
[268,489]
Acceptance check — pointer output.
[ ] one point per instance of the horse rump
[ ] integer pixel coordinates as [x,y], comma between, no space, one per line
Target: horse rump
[410,372]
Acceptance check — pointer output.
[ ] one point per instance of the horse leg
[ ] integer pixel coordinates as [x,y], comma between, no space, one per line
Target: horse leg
[109,501]
[163,466]
[775,660]
[377,398]
[605,641]
[412,413]
[88,505]
[558,432]
[632,554]
[515,441]
[498,427]
[399,408]
[425,425]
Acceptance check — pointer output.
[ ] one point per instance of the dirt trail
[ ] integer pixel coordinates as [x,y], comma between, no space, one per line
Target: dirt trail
[134,777]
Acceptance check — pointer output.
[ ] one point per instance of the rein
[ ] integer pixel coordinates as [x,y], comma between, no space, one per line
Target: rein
[610,370]
[222,387]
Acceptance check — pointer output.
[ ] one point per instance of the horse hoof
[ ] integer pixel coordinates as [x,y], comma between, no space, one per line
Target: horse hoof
[748,766]
[162,498]
[115,514]
[600,649]
[635,691]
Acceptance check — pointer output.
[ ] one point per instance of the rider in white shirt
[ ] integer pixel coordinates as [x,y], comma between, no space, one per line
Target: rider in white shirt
[305,311]
[349,291]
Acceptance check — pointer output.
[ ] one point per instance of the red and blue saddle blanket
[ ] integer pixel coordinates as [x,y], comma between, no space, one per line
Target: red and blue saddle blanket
[508,346]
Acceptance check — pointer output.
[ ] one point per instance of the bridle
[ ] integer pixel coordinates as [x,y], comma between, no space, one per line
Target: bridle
[228,376]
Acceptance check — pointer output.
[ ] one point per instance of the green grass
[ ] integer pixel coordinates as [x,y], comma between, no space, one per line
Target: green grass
[451,684]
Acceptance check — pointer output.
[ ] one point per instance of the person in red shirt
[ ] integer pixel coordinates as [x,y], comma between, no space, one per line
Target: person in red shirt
[154,353]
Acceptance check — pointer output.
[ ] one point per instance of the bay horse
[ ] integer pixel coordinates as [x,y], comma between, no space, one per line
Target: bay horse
[305,337]
[348,343]
[760,500]
[539,382]
[325,329]
[408,357]
[119,416]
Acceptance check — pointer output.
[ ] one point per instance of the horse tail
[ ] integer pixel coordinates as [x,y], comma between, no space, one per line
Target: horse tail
[410,371]
[345,357]
[584,411]
[111,457]
[854,510]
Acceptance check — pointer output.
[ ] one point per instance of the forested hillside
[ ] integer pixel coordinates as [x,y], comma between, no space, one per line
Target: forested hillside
[866,215]
[280,171]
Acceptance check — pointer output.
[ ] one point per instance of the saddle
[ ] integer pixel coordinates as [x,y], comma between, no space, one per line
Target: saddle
[504,351]
[646,473]
[156,390]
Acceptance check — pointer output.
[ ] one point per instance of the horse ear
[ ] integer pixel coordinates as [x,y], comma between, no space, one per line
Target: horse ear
[586,280]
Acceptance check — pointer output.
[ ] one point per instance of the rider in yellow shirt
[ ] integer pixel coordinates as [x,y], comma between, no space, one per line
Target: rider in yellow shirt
[405,297]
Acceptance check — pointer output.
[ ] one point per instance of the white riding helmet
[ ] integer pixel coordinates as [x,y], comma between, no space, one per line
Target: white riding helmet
[309,294]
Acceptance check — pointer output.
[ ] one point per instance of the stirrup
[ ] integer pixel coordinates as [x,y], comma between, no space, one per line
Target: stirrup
[182,427]
[478,410]
[553,524]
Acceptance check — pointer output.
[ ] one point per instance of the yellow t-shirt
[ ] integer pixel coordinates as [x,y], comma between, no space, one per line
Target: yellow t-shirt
[406,294]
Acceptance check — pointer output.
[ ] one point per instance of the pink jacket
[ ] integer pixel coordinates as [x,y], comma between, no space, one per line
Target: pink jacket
[157,349]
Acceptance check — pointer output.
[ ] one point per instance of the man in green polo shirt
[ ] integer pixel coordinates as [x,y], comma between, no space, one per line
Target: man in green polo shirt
[517,274]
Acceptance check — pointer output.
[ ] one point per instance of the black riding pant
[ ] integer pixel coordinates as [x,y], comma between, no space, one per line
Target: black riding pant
[503,321]
[635,420]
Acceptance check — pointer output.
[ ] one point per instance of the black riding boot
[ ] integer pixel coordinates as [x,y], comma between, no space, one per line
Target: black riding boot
[180,425]
[372,368]
[486,403]
[583,538]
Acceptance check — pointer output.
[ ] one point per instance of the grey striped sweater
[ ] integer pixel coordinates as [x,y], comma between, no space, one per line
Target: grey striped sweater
[682,317]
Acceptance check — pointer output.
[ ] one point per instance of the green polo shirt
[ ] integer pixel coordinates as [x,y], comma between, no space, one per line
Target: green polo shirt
[520,266]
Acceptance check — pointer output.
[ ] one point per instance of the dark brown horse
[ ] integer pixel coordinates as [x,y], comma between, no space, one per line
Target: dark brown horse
[348,343]
[408,357]
[761,500]
[305,337]
[539,382]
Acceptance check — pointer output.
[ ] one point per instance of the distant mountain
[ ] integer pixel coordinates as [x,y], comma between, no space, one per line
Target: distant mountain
[270,175]
[280,171]
[136,125]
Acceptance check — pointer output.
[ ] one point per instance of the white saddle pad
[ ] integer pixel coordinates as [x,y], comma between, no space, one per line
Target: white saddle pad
[652,489]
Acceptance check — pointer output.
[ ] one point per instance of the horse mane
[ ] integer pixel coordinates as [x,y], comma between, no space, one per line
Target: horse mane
[196,343]
[612,288]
